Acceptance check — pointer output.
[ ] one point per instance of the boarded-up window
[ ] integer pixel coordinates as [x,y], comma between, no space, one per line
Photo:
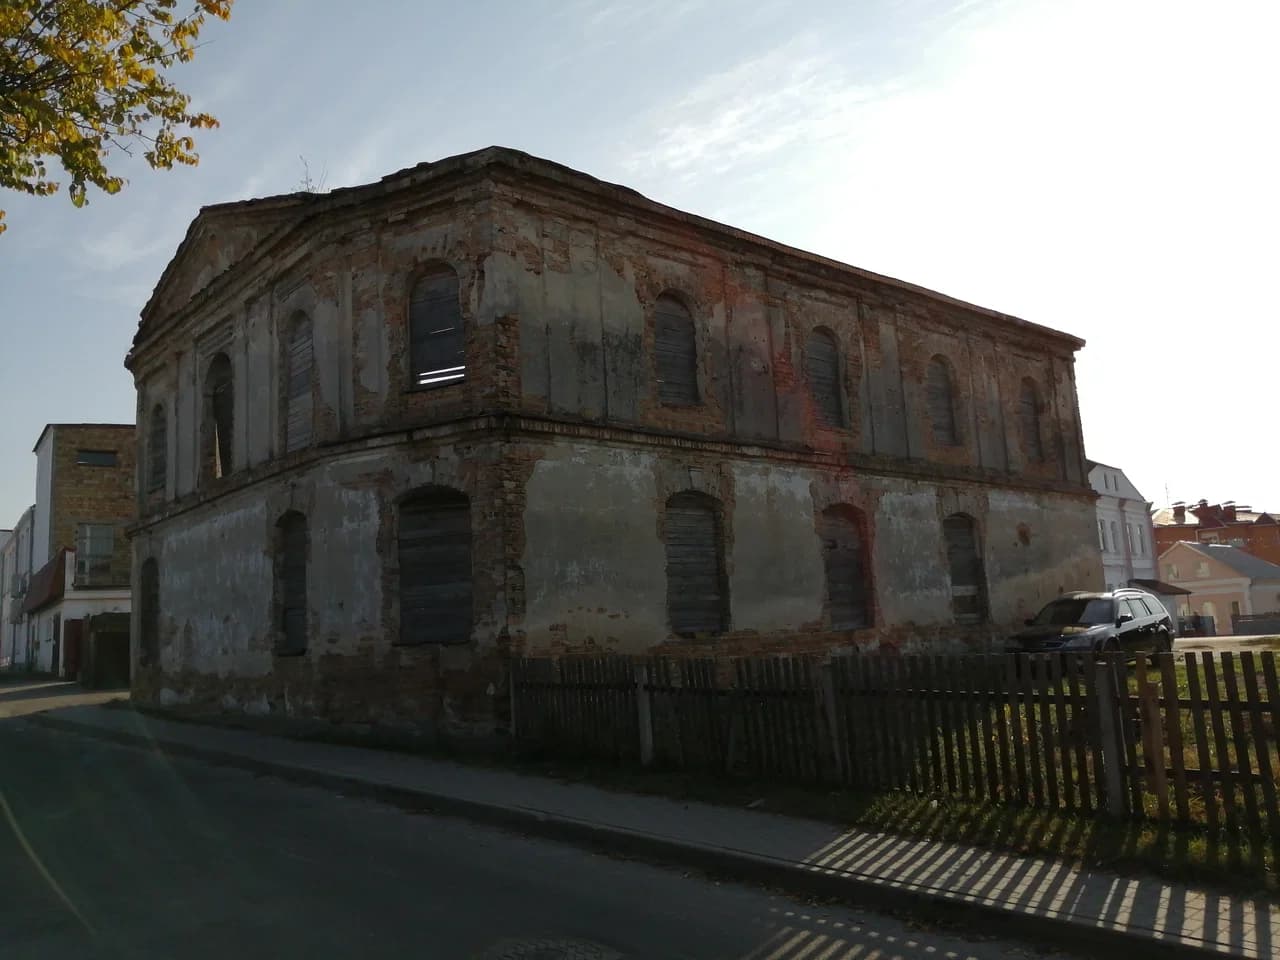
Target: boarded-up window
[1029,421]
[219,418]
[697,594]
[157,449]
[437,340]
[677,353]
[968,582]
[843,554]
[435,568]
[941,399]
[299,363]
[822,370]
[291,582]
[149,612]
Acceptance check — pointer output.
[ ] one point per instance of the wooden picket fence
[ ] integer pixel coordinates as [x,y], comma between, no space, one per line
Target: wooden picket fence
[1176,738]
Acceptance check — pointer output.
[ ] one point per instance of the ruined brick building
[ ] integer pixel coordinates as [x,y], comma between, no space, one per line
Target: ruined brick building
[390,434]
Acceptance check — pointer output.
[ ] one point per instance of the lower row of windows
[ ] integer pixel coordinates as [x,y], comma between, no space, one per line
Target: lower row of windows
[435,571]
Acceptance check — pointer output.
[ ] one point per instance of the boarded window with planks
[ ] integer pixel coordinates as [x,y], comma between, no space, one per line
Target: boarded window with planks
[940,395]
[437,337]
[299,363]
[291,583]
[822,371]
[157,449]
[149,612]
[219,419]
[435,567]
[849,595]
[676,349]
[964,559]
[697,590]
[1029,421]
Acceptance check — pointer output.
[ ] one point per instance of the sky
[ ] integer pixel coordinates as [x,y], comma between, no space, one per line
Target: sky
[1106,167]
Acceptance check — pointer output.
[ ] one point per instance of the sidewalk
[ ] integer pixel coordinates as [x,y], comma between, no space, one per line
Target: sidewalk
[1090,912]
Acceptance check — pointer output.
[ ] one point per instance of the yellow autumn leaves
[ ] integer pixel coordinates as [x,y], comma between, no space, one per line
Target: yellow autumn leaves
[80,77]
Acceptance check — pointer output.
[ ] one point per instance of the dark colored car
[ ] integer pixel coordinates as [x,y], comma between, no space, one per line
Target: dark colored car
[1126,621]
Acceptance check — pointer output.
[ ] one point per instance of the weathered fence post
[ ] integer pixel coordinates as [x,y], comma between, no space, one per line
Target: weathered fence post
[1113,754]
[644,714]
[826,692]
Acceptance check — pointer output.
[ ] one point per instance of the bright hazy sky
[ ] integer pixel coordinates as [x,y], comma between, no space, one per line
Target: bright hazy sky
[1105,167]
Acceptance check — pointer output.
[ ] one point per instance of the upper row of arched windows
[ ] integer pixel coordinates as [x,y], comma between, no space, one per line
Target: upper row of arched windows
[437,357]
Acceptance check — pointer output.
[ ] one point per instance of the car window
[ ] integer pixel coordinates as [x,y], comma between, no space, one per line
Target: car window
[1135,609]
[1070,611]
[1141,604]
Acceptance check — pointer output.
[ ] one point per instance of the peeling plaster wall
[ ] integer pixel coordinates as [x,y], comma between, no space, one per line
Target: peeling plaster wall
[594,568]
[559,439]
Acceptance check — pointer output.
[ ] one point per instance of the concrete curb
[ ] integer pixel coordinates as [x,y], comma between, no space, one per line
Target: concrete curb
[721,862]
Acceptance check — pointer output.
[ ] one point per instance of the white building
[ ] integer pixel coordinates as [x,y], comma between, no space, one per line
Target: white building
[1126,536]
[15,563]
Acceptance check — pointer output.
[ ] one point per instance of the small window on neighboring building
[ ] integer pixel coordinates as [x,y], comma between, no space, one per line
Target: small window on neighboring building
[697,593]
[219,418]
[964,559]
[1133,544]
[299,363]
[435,567]
[1029,421]
[1208,538]
[437,335]
[157,449]
[97,458]
[1202,570]
[149,612]
[849,596]
[1115,537]
[1235,608]
[676,352]
[291,582]
[1102,534]
[940,394]
[95,548]
[1209,610]
[1171,571]
[822,371]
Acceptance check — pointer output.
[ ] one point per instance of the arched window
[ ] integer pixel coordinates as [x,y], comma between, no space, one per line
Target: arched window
[697,591]
[675,347]
[1029,421]
[849,595]
[437,338]
[219,417]
[434,546]
[822,371]
[157,449]
[299,363]
[942,404]
[149,612]
[291,583]
[964,558]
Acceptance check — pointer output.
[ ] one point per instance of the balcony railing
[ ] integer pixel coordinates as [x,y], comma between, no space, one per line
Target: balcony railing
[97,574]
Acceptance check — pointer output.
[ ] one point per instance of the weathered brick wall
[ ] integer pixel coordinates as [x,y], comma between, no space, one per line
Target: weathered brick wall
[88,494]
[558,437]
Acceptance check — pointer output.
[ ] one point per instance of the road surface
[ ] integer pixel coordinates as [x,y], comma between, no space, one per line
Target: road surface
[112,852]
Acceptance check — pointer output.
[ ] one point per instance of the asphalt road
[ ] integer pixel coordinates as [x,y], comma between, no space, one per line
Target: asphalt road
[108,851]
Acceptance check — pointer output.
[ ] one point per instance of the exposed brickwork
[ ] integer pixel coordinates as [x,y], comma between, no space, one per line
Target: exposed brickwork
[93,494]
[558,279]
